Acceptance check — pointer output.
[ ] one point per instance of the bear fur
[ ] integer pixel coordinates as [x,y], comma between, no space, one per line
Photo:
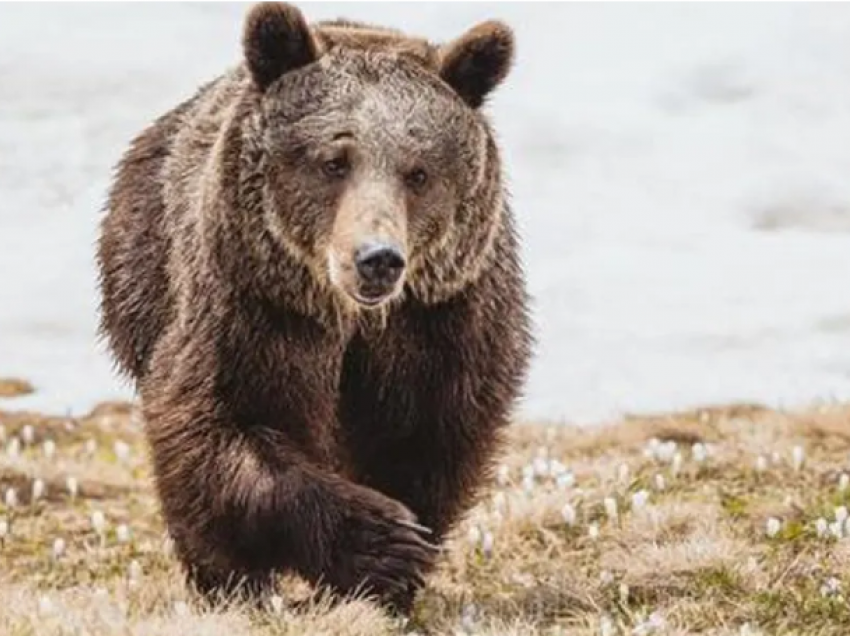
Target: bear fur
[293,428]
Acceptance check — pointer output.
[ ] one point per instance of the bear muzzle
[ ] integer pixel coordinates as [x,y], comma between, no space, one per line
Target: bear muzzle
[373,275]
[380,267]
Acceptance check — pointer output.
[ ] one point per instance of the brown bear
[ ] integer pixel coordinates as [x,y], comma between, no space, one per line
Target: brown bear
[311,272]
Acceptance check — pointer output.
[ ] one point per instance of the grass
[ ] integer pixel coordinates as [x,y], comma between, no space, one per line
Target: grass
[687,550]
[14,387]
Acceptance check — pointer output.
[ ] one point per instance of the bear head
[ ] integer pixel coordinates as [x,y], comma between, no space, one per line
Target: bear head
[381,172]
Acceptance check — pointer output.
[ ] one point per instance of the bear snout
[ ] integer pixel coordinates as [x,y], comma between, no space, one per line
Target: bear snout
[379,267]
[370,274]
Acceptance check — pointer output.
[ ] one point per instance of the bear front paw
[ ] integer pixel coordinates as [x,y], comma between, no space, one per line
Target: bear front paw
[383,552]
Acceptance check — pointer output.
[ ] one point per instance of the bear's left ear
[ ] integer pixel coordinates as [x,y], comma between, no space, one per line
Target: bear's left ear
[477,62]
[276,40]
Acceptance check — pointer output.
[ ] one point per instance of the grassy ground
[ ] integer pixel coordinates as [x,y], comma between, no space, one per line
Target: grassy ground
[715,532]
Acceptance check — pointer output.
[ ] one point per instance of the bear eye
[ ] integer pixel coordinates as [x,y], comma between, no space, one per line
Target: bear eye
[336,168]
[416,178]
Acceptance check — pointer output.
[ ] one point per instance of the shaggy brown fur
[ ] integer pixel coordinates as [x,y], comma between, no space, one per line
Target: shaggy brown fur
[291,427]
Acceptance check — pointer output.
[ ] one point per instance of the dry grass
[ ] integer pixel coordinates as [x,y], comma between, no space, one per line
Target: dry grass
[694,558]
[14,387]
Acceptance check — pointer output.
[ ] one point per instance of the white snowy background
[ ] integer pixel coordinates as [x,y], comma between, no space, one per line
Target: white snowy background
[681,173]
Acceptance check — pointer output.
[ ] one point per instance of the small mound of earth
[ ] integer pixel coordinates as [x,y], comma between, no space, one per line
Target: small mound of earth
[14,387]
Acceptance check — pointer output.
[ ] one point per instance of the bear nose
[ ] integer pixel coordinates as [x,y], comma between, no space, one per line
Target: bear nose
[379,264]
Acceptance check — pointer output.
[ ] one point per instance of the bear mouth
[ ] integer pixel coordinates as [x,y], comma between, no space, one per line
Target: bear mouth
[371,301]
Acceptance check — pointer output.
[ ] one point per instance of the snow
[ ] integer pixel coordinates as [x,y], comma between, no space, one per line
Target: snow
[681,174]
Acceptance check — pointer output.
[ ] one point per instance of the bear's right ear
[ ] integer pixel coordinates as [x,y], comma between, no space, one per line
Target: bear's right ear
[276,40]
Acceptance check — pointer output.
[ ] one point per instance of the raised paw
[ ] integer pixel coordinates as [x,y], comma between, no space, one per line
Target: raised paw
[383,552]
